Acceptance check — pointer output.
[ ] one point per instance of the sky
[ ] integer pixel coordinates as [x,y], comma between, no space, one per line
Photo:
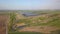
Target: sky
[29,4]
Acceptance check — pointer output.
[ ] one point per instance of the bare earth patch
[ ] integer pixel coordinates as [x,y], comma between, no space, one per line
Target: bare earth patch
[3,22]
[43,29]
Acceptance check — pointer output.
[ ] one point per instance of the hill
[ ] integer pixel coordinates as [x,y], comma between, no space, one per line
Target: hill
[44,22]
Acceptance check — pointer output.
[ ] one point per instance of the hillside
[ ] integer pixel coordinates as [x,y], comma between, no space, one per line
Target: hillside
[44,23]
[19,16]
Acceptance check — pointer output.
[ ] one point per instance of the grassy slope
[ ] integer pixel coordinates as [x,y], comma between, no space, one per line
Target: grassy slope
[53,20]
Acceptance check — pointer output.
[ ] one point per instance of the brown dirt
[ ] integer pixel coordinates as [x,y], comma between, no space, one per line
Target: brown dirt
[43,29]
[3,20]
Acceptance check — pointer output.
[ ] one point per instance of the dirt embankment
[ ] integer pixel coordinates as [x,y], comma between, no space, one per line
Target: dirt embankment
[43,29]
[3,22]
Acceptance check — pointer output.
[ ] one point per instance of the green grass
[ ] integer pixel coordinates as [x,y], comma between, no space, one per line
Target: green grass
[55,32]
[53,21]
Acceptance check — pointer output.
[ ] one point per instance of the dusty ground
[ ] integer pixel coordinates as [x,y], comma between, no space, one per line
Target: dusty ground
[43,29]
[3,20]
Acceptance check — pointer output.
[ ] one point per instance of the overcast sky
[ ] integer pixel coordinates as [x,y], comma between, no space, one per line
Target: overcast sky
[29,4]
